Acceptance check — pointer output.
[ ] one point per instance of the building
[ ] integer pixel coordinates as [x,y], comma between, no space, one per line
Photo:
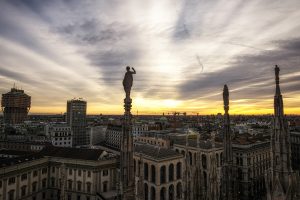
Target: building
[295,147]
[23,145]
[15,106]
[97,134]
[251,158]
[202,164]
[113,136]
[60,134]
[281,181]
[155,141]
[139,129]
[59,173]
[159,173]
[76,119]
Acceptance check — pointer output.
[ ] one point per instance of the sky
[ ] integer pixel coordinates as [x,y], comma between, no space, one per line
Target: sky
[183,52]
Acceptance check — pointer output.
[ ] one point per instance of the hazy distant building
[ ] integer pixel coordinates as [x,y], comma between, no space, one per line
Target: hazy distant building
[60,135]
[15,105]
[76,119]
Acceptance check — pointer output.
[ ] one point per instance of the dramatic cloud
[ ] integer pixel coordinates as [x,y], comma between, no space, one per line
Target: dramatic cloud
[183,51]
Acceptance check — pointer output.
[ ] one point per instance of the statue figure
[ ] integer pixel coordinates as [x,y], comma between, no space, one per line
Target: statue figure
[226,96]
[127,81]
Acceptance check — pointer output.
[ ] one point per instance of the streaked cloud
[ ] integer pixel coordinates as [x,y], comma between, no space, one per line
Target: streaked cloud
[183,51]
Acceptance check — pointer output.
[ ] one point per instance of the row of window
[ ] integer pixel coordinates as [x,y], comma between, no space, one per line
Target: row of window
[12,180]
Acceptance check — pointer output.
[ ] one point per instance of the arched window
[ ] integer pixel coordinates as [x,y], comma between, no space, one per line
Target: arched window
[171,192]
[23,190]
[171,172]
[152,193]
[162,174]
[204,164]
[179,190]
[145,171]
[163,193]
[178,170]
[146,191]
[153,174]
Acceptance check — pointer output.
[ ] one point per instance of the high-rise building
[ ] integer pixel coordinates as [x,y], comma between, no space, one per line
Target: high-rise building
[76,119]
[15,106]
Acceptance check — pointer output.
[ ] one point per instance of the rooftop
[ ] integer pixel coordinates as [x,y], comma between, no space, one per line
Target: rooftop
[156,152]
[73,153]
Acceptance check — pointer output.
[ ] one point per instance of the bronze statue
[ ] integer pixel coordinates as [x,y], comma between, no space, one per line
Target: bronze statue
[128,80]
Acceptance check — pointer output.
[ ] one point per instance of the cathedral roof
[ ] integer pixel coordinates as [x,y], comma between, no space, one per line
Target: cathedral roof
[156,152]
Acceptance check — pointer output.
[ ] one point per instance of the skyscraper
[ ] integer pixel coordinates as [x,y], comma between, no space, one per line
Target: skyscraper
[76,119]
[15,105]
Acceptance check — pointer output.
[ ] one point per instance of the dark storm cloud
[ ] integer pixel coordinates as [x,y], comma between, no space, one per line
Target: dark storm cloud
[248,70]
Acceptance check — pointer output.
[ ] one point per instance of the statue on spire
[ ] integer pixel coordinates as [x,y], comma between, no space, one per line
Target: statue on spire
[128,81]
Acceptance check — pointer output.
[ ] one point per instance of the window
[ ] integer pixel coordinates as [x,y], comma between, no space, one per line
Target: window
[44,195]
[35,173]
[34,186]
[79,186]
[88,187]
[11,180]
[23,177]
[53,169]
[89,173]
[70,171]
[79,172]
[105,186]
[0,184]
[11,195]
[44,170]
[105,172]
[78,197]
[44,183]
[23,191]
[88,198]
[69,197]
[70,184]
[53,182]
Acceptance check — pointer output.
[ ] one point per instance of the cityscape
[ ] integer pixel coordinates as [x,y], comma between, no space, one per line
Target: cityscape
[162,100]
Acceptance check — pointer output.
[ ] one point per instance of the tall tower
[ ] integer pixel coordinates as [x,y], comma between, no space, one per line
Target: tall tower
[76,119]
[282,182]
[227,168]
[15,105]
[127,164]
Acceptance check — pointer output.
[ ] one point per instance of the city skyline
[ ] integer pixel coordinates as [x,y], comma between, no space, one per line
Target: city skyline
[183,52]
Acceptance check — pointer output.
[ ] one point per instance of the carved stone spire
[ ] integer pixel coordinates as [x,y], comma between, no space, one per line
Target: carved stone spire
[281,181]
[227,169]
[127,163]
